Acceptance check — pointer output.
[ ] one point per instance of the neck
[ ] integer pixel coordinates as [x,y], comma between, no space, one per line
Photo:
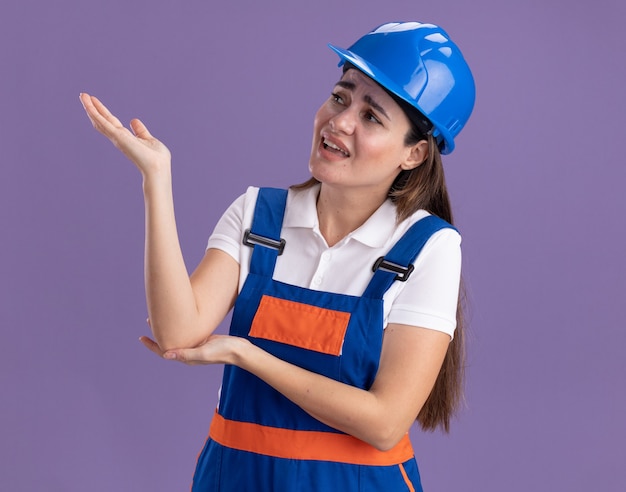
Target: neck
[340,212]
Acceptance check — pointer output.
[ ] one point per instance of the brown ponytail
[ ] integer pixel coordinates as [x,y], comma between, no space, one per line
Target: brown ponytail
[425,188]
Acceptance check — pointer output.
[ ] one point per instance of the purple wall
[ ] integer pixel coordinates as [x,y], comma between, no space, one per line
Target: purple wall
[537,181]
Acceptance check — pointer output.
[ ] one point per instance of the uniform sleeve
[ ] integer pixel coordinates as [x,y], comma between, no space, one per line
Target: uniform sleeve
[228,233]
[430,296]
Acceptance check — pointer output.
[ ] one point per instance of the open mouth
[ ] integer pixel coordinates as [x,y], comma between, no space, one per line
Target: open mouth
[334,147]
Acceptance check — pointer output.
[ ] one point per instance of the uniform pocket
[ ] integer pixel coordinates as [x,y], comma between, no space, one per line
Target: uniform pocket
[300,325]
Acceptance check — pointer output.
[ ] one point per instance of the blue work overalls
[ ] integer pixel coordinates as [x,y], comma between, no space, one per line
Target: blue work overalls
[261,441]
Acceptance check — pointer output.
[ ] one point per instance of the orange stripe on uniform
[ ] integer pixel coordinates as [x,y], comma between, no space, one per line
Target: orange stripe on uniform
[305,445]
[301,325]
[406,478]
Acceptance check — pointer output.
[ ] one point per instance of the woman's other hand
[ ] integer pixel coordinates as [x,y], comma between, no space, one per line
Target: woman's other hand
[217,349]
[145,151]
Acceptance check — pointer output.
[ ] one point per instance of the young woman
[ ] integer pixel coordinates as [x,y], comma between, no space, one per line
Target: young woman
[345,288]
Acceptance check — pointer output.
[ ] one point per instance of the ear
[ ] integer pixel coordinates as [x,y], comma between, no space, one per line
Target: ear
[417,154]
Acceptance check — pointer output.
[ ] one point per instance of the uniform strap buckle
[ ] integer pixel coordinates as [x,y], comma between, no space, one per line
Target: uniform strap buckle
[403,272]
[250,239]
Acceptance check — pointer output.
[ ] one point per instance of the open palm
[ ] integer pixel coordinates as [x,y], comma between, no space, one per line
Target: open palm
[145,151]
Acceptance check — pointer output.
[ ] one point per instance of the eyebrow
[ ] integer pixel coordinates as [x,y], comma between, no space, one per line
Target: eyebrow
[367,98]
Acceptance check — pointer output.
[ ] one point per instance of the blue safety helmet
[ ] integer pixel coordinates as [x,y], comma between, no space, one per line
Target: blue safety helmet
[420,64]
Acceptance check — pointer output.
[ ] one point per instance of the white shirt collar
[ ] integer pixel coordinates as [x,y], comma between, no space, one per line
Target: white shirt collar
[375,232]
[301,208]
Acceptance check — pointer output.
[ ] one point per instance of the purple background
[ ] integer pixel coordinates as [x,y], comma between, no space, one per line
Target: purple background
[537,182]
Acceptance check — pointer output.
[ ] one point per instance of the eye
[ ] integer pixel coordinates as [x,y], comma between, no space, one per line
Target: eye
[337,98]
[369,116]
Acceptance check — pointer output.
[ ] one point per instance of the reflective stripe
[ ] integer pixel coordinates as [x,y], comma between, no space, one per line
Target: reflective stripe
[300,325]
[305,445]
[406,478]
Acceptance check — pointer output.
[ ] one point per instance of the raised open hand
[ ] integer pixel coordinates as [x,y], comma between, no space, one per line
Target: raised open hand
[145,151]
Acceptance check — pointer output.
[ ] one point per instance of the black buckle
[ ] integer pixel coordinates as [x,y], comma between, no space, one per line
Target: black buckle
[403,273]
[250,239]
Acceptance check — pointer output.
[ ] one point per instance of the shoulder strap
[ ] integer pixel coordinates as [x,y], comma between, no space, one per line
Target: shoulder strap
[397,264]
[264,234]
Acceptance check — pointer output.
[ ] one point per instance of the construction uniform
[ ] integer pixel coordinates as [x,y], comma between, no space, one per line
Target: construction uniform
[261,441]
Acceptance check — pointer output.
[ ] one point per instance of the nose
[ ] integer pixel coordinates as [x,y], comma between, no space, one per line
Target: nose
[344,121]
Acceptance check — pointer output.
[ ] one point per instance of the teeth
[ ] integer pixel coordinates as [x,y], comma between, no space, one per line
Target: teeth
[333,146]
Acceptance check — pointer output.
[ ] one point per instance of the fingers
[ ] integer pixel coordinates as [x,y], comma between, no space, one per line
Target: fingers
[186,356]
[202,355]
[107,124]
[98,113]
[154,348]
[85,100]
[145,151]
[213,351]
[139,129]
[105,113]
[151,345]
